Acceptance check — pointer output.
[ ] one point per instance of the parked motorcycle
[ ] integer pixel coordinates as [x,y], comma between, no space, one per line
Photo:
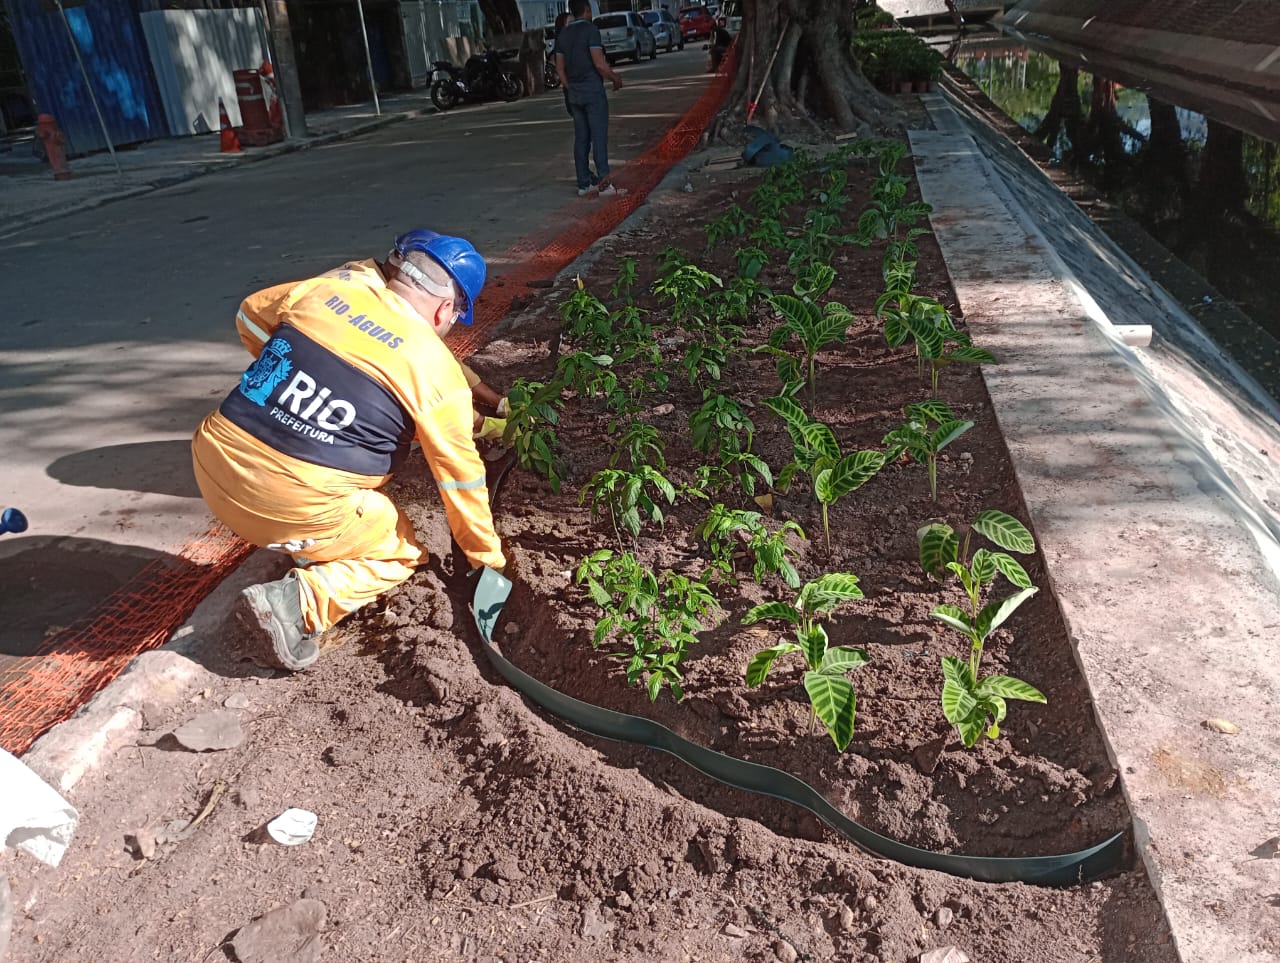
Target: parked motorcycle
[485,76]
[550,78]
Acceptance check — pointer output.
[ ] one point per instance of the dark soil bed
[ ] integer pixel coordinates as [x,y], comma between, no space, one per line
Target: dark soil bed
[458,823]
[1045,787]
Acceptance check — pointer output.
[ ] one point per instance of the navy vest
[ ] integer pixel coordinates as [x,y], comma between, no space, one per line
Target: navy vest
[303,400]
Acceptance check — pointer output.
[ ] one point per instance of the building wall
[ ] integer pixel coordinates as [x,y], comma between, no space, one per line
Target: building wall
[110,41]
[193,54]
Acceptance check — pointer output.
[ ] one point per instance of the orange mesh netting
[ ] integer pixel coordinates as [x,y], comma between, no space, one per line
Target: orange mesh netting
[70,666]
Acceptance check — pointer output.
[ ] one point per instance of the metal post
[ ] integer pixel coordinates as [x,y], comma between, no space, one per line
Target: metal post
[89,86]
[368,59]
[275,64]
[422,26]
[286,67]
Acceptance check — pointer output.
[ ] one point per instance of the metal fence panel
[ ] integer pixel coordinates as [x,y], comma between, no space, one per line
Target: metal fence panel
[115,57]
[194,53]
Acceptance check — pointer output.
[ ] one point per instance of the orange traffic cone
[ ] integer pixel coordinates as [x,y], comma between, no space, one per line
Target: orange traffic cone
[230,142]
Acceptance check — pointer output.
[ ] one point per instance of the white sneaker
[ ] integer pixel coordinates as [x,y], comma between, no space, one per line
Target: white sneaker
[584,191]
[612,191]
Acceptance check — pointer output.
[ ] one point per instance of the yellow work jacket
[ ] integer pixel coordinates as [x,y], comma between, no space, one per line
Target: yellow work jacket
[346,374]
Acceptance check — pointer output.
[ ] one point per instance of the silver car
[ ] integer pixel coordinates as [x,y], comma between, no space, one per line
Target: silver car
[665,30]
[625,35]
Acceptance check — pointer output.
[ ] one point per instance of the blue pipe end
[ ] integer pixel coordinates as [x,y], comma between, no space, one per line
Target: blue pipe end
[12,521]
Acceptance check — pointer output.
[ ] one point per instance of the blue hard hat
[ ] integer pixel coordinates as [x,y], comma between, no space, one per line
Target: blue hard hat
[455,255]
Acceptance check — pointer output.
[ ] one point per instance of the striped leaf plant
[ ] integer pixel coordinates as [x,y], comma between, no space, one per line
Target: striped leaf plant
[816,452]
[930,426]
[832,697]
[972,703]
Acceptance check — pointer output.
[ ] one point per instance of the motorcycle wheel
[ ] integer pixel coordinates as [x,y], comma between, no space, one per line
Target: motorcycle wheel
[509,88]
[681,47]
[444,94]
[550,79]
[653,54]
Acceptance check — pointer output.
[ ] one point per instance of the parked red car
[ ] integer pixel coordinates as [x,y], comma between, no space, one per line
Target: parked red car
[696,22]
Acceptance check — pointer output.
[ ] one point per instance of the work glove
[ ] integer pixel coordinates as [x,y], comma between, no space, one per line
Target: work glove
[491,429]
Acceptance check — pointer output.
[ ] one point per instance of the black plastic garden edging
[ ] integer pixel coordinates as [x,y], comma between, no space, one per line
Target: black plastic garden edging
[491,594]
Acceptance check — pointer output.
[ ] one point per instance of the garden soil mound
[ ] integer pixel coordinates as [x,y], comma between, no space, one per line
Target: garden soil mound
[457,822]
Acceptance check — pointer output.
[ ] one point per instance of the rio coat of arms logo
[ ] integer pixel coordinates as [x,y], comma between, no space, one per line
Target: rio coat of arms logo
[271,368]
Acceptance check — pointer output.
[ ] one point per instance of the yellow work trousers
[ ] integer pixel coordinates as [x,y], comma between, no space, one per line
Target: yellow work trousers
[360,543]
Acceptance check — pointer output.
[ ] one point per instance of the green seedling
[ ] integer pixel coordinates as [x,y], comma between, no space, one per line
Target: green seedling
[932,328]
[970,702]
[813,326]
[726,529]
[817,453]
[751,261]
[586,318]
[906,248]
[942,552]
[899,279]
[734,222]
[831,194]
[586,374]
[658,615]
[719,424]
[642,445]
[531,419]
[813,279]
[626,279]
[831,695]
[704,361]
[631,497]
[771,235]
[687,289]
[930,426]
[740,296]
[743,467]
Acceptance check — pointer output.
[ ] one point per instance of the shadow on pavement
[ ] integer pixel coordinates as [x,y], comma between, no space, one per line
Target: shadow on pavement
[162,467]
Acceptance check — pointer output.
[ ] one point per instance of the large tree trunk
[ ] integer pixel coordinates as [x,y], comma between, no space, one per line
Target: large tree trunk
[1163,186]
[500,17]
[1065,112]
[795,64]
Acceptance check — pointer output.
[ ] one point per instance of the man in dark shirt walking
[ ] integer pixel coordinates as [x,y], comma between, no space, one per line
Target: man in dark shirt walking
[583,68]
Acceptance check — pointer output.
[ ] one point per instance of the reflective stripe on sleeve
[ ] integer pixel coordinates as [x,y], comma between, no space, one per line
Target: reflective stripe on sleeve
[254,329]
[462,486]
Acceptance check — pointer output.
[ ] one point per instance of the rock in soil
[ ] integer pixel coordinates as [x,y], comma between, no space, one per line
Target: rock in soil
[210,732]
[290,934]
[947,954]
[943,917]
[785,952]
[846,919]
[237,700]
[737,932]
[143,843]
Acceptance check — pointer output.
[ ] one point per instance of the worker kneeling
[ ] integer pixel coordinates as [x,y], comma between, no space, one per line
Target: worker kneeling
[349,367]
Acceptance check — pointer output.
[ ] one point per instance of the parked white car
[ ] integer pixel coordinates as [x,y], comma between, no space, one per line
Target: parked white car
[665,29]
[625,35]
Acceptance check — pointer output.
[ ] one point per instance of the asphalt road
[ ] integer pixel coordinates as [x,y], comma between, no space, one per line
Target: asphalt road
[119,336]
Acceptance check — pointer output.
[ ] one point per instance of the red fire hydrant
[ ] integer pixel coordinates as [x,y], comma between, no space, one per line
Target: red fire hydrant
[48,131]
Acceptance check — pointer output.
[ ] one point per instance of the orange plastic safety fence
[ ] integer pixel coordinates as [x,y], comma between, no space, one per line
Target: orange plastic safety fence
[69,667]
[539,256]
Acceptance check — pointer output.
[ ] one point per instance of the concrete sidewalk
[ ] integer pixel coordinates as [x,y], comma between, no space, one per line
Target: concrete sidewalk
[1164,564]
[29,194]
